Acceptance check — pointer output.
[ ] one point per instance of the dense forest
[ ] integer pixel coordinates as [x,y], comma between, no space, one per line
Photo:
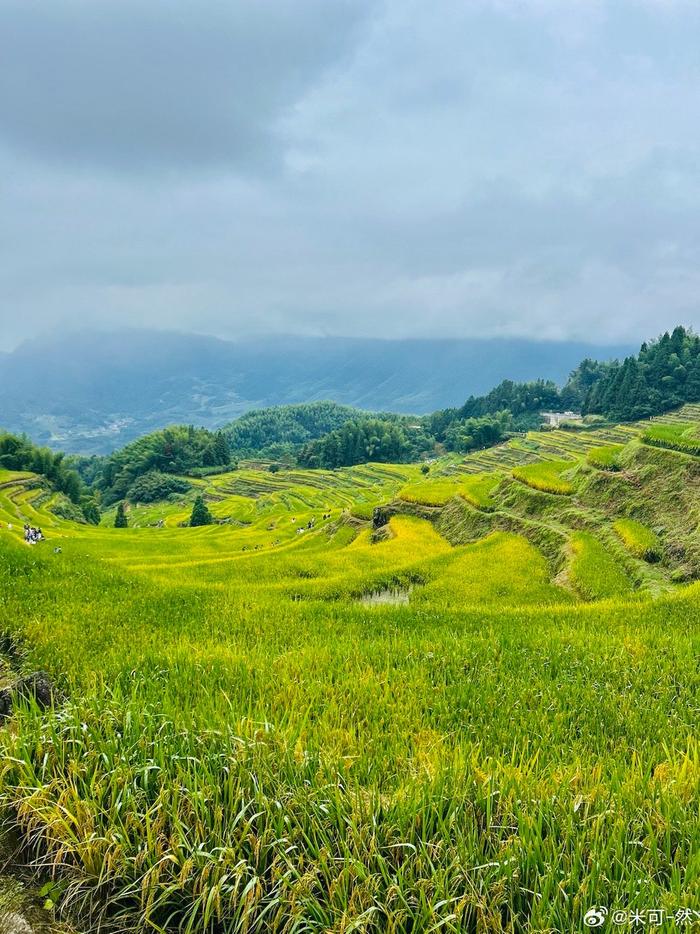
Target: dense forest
[18,453]
[368,439]
[486,420]
[179,449]
[280,431]
[144,470]
[665,374]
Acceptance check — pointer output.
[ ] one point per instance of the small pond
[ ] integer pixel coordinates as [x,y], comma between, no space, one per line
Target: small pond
[388,596]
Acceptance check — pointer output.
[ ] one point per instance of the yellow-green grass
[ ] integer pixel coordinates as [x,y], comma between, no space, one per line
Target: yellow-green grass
[245,745]
[503,569]
[594,572]
[362,510]
[218,740]
[546,476]
[638,539]
[475,489]
[606,457]
[678,436]
[12,476]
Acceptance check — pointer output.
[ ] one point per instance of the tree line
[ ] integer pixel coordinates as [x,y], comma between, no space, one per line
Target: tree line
[280,431]
[142,467]
[664,374]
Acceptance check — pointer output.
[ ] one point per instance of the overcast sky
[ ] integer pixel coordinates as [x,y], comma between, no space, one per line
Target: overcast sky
[351,167]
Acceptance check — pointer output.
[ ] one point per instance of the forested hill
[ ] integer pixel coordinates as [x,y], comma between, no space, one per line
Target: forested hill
[280,430]
[94,392]
[665,374]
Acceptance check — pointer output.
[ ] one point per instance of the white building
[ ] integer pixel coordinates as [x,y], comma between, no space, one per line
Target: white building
[556,418]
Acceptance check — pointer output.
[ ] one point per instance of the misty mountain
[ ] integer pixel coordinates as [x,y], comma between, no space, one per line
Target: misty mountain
[92,392]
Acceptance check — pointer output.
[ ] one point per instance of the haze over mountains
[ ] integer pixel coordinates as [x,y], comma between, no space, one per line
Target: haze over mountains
[92,392]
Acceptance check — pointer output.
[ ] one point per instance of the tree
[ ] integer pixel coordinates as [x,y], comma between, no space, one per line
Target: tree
[120,520]
[200,513]
[222,449]
[178,449]
[91,510]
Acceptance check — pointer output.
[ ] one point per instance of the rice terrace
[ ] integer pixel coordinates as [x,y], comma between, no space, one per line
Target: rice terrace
[450,693]
[349,467]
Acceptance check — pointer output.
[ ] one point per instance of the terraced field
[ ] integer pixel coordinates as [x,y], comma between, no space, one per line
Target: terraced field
[560,444]
[369,699]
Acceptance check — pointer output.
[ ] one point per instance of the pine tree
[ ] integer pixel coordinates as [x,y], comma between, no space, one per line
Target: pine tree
[692,386]
[222,448]
[200,513]
[120,520]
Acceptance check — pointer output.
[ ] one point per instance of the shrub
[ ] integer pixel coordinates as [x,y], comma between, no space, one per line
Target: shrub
[155,485]
[202,472]
[65,509]
[90,510]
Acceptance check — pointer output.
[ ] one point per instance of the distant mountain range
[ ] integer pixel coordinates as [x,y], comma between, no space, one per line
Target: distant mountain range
[92,392]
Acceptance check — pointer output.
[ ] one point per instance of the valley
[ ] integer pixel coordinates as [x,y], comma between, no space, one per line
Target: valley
[457,695]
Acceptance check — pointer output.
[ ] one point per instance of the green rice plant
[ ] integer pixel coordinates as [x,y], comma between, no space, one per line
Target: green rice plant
[476,489]
[546,476]
[362,510]
[681,436]
[209,758]
[502,569]
[639,540]
[593,571]
[242,743]
[606,457]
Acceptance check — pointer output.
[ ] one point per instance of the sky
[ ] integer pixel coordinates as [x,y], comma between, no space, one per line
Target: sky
[388,168]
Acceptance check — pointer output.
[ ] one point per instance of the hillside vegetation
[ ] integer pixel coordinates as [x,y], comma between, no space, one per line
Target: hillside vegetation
[282,430]
[101,391]
[370,698]
[326,435]
[664,374]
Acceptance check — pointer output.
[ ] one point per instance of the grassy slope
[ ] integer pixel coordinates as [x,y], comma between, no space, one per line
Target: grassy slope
[437,492]
[246,743]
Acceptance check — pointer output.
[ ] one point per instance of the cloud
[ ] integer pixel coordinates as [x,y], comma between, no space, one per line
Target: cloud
[388,167]
[166,83]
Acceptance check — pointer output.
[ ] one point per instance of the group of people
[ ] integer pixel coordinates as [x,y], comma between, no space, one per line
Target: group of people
[32,535]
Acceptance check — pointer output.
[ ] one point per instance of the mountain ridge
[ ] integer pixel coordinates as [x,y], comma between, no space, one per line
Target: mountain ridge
[94,391]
